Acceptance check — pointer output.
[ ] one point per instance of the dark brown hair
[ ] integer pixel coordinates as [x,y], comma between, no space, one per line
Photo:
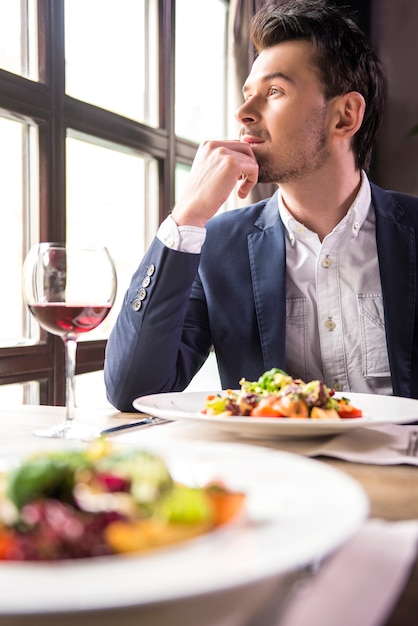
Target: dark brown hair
[343,56]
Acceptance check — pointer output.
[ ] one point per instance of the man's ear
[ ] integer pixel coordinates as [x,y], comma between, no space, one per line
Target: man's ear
[349,113]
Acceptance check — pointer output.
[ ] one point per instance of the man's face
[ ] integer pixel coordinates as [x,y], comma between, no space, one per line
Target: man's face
[284,116]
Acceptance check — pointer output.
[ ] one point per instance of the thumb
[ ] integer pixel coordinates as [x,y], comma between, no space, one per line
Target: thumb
[247,183]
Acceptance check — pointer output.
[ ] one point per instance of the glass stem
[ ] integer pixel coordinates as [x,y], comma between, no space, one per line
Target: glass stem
[70,360]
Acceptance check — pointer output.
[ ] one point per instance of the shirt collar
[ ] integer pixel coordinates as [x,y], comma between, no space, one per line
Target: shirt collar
[353,219]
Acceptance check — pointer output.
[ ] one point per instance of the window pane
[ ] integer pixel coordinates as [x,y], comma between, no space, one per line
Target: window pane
[19,201]
[182,172]
[90,390]
[20,393]
[112,200]
[111,52]
[18,37]
[200,69]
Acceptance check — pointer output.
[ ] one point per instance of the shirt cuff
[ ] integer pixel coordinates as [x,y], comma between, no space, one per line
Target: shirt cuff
[181,238]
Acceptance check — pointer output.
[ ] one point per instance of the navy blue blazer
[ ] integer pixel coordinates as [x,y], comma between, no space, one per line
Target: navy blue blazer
[232,296]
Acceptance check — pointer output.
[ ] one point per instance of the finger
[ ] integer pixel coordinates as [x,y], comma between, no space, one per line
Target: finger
[232,146]
[249,181]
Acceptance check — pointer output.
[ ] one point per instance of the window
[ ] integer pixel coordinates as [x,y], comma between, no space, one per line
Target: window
[18,37]
[100,118]
[125,45]
[200,98]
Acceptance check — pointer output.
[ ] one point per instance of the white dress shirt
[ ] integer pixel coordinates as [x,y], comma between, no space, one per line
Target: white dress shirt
[335,328]
[182,238]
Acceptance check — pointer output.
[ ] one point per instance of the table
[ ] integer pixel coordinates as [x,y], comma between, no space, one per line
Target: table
[392,490]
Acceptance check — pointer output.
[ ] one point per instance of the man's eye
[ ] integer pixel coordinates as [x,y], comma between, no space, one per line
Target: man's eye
[274,91]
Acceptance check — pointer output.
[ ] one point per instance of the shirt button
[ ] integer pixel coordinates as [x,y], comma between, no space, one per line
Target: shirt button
[146,281]
[338,386]
[326,262]
[150,269]
[136,304]
[169,242]
[142,294]
[330,324]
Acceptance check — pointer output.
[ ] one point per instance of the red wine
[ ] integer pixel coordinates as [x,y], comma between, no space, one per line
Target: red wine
[59,318]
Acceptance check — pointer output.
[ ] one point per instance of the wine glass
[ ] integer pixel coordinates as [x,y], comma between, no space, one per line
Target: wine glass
[70,290]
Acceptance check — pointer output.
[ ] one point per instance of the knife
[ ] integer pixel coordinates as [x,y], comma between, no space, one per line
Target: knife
[146,421]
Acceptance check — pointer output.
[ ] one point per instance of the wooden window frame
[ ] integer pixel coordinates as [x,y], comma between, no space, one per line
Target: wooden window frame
[45,103]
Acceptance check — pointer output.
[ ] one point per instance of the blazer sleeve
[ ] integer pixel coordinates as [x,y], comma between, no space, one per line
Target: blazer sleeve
[161,336]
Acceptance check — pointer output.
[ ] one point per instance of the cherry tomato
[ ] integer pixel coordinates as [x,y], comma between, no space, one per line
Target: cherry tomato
[266,408]
[348,411]
[8,544]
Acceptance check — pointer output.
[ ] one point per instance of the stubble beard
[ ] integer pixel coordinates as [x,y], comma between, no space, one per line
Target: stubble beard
[307,155]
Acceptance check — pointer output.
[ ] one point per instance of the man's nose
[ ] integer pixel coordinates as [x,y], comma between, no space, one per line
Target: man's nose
[247,112]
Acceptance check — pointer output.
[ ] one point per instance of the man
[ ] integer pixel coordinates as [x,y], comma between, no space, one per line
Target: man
[320,279]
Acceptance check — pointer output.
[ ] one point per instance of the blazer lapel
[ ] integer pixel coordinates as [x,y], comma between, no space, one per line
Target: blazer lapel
[396,252]
[267,255]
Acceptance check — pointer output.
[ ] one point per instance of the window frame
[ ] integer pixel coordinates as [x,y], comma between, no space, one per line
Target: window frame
[45,104]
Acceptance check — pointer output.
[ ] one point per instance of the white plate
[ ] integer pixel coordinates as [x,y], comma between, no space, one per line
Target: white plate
[377,410]
[298,510]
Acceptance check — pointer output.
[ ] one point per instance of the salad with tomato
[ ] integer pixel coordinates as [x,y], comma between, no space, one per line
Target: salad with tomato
[101,501]
[276,394]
